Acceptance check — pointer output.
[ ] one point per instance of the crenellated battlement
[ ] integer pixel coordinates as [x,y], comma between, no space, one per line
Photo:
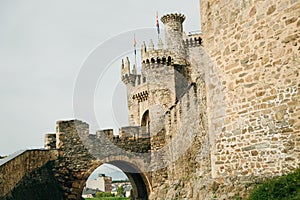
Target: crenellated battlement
[154,59]
[148,52]
[131,138]
[125,133]
[177,17]
[193,41]
[156,62]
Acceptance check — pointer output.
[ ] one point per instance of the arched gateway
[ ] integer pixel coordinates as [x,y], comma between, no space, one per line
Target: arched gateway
[80,153]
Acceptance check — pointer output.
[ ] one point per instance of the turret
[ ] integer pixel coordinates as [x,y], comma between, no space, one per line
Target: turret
[128,77]
[134,70]
[122,68]
[127,66]
[174,35]
[160,44]
[143,49]
[151,45]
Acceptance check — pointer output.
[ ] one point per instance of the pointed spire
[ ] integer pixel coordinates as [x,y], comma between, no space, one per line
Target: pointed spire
[134,70]
[144,48]
[127,66]
[122,67]
[151,45]
[160,44]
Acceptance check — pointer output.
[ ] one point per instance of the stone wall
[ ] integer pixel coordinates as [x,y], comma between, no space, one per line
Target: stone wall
[255,48]
[80,153]
[251,129]
[186,148]
[15,169]
[36,185]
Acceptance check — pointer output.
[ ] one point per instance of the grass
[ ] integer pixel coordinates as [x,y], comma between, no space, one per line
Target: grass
[282,188]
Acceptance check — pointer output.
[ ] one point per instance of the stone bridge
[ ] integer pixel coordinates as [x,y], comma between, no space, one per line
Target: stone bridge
[70,156]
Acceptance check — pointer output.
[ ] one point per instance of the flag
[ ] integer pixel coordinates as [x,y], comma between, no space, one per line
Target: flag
[134,44]
[157,23]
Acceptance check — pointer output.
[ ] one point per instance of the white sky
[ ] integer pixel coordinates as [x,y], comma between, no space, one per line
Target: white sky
[43,44]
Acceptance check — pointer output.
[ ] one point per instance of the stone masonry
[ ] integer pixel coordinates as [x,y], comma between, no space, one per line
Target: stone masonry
[248,126]
[70,156]
[26,165]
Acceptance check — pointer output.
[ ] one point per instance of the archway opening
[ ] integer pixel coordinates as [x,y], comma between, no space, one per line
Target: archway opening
[145,123]
[119,179]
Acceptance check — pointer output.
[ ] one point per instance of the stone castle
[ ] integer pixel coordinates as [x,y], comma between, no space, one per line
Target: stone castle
[210,114]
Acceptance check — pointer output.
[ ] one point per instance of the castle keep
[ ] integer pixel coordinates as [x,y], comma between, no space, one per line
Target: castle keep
[165,76]
[209,114]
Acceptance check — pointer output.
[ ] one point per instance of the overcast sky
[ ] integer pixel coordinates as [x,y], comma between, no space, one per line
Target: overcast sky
[43,45]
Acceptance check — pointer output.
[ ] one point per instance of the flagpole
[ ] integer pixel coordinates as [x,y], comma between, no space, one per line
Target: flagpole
[157,26]
[135,50]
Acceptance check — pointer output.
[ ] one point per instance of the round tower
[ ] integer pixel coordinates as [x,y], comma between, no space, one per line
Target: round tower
[174,36]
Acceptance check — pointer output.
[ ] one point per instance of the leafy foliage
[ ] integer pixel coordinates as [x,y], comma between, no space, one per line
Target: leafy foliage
[282,188]
[104,194]
[121,191]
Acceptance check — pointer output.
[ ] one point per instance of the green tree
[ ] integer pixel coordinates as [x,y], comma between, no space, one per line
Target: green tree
[121,191]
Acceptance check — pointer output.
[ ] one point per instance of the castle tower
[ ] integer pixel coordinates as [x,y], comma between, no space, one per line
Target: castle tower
[161,81]
[174,36]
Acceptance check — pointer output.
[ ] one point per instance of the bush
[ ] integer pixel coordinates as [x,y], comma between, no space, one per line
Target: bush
[104,194]
[282,188]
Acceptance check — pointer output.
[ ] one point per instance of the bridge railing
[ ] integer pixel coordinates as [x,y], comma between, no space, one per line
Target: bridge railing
[11,157]
[14,167]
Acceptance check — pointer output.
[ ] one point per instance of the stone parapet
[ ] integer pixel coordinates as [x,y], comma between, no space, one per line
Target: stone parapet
[15,168]
[50,141]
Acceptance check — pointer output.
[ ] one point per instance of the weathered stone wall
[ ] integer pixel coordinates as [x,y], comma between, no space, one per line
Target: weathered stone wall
[72,168]
[14,170]
[187,149]
[250,66]
[36,185]
[255,48]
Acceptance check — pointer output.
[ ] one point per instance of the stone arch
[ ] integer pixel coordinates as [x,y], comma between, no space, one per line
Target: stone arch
[81,153]
[139,182]
[145,121]
[141,185]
